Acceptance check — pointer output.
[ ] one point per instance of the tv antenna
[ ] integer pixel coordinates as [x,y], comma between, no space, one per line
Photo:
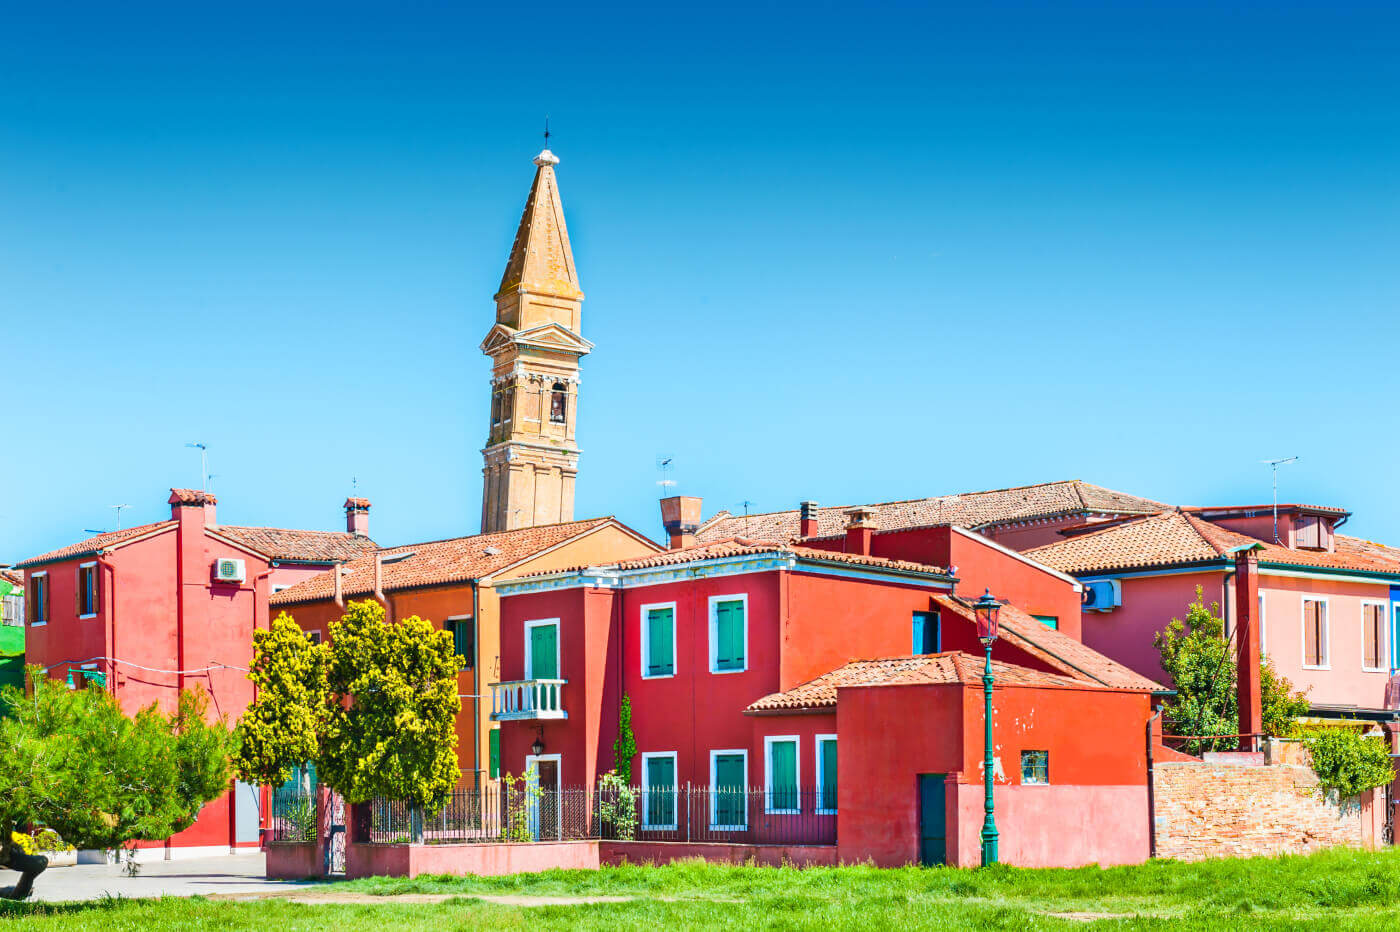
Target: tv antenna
[203,449]
[93,530]
[118,510]
[665,464]
[1274,465]
[747,505]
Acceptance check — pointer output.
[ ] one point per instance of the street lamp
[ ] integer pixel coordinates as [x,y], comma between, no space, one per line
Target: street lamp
[988,611]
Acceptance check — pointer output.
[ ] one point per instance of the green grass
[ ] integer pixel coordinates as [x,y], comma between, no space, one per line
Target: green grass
[1333,890]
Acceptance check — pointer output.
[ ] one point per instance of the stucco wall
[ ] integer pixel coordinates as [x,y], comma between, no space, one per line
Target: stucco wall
[1149,604]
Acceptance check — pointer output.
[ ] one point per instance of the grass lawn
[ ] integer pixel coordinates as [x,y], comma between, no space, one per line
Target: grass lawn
[1333,890]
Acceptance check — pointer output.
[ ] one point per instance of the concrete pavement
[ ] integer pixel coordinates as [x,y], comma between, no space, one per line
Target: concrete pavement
[237,873]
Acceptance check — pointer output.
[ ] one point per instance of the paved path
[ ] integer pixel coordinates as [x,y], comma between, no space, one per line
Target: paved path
[238,873]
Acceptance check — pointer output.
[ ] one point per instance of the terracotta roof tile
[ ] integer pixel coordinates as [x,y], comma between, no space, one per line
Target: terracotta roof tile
[291,544]
[12,577]
[192,497]
[969,509]
[457,559]
[93,544]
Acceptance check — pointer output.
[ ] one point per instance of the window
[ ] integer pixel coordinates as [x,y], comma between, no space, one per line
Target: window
[781,769]
[314,637]
[542,649]
[659,640]
[729,785]
[463,638]
[1263,632]
[494,754]
[87,590]
[728,633]
[1050,621]
[659,790]
[495,407]
[558,403]
[39,599]
[826,773]
[928,633]
[1035,767]
[1373,635]
[1308,533]
[1315,634]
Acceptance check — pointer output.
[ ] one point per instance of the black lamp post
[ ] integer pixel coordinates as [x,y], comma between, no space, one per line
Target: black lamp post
[988,611]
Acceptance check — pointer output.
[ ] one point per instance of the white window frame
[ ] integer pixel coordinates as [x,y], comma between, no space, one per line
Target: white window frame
[714,630]
[646,641]
[768,742]
[1023,781]
[647,758]
[817,763]
[714,793]
[558,648]
[1263,631]
[47,602]
[1326,632]
[1394,620]
[96,583]
[1383,648]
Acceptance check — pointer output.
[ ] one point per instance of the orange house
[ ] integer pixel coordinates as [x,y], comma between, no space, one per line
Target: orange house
[452,583]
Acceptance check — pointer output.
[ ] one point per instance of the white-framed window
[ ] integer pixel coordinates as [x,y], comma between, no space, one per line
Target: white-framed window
[87,590]
[542,649]
[660,790]
[39,599]
[1035,768]
[658,623]
[826,774]
[729,790]
[782,774]
[1263,630]
[1316,655]
[1374,656]
[729,633]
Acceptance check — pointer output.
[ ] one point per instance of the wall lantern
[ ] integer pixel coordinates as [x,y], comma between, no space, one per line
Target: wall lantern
[988,611]
[538,747]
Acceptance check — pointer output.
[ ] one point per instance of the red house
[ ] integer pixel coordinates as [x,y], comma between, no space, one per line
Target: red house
[147,611]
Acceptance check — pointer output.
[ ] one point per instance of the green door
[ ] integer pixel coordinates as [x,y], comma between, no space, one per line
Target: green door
[933,820]
[661,791]
[544,652]
[729,791]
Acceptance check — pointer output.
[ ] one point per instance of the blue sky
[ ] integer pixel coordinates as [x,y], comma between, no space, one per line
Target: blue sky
[842,252]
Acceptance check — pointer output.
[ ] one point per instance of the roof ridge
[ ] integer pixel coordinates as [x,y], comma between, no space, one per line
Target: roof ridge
[517,530]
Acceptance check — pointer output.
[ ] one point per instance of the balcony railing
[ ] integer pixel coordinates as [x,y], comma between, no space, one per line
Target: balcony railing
[522,699]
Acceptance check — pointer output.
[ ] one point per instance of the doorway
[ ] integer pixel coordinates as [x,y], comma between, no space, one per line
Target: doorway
[933,819]
[546,815]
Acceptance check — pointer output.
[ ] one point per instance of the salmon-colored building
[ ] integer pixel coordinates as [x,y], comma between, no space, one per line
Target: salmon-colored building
[148,611]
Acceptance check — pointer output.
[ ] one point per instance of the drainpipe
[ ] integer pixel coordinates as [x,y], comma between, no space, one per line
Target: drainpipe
[379,587]
[476,684]
[335,586]
[111,607]
[1151,793]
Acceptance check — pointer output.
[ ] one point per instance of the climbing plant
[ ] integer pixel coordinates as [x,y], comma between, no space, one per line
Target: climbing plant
[1346,761]
[625,747]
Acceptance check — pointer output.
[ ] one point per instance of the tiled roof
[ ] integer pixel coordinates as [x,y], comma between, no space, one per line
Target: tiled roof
[290,544]
[192,497]
[970,510]
[742,547]
[929,669]
[1173,538]
[94,544]
[12,577]
[457,559]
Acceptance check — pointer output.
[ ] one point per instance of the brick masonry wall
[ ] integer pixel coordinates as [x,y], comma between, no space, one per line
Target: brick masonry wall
[1235,810]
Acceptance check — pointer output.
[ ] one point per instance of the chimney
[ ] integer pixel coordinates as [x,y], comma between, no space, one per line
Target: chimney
[192,504]
[809,519]
[357,516]
[680,516]
[860,530]
[1250,695]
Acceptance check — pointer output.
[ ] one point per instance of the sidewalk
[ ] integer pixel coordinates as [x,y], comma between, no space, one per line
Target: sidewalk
[238,873]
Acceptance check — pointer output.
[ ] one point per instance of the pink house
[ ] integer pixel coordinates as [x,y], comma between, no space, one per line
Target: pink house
[147,611]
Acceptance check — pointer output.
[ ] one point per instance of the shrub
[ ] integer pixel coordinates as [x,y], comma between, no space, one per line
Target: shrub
[1347,761]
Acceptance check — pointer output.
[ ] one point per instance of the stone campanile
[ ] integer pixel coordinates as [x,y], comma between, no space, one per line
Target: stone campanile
[531,458]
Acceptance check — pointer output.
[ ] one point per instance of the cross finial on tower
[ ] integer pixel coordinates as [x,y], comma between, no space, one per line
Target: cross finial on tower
[546,131]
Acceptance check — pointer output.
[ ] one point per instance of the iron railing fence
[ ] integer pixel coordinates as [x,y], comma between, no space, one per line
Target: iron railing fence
[684,813]
[293,816]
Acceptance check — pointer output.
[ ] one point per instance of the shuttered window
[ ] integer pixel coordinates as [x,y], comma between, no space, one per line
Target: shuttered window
[495,754]
[728,792]
[463,633]
[927,635]
[782,775]
[1314,633]
[1373,635]
[87,590]
[39,600]
[660,642]
[659,808]
[728,635]
[826,773]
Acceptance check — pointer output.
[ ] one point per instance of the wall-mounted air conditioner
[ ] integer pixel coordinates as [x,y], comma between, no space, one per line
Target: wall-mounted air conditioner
[230,571]
[1102,595]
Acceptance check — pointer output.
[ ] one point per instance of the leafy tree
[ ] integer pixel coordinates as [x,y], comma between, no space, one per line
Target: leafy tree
[625,746]
[75,763]
[1347,761]
[375,708]
[1201,665]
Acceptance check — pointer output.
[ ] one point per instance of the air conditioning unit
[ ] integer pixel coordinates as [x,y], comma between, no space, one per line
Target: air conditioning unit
[1102,595]
[233,571]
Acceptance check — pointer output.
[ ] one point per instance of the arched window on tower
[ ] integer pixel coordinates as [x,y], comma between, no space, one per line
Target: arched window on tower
[559,403]
[495,407]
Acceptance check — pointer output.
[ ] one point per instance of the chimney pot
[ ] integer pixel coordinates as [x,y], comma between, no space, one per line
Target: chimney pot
[357,516]
[183,499]
[680,516]
[860,530]
[808,521]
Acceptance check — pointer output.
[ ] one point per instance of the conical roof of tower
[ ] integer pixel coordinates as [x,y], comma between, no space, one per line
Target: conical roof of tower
[540,258]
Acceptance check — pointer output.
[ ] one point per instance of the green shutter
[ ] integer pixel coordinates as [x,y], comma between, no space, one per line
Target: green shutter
[729,636]
[828,772]
[661,659]
[1049,621]
[730,794]
[782,779]
[462,635]
[544,658]
[661,791]
[495,754]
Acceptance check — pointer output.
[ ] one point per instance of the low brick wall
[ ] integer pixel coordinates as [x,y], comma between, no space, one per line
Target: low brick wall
[665,852]
[1211,810]
[293,862]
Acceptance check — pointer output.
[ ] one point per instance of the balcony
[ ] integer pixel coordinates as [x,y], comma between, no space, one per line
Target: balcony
[527,699]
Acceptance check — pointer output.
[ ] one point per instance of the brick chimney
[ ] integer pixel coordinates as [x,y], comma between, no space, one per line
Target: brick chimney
[860,530]
[808,510]
[680,516]
[357,516]
[1250,693]
[192,504]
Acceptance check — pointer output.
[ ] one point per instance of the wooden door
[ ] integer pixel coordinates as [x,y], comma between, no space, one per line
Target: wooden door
[933,819]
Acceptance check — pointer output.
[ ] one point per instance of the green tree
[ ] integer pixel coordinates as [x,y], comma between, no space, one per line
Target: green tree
[75,763]
[1200,662]
[282,728]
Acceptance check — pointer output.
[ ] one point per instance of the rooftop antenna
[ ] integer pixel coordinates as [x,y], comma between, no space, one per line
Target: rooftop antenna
[203,462]
[747,504]
[1275,464]
[665,464]
[118,509]
[94,530]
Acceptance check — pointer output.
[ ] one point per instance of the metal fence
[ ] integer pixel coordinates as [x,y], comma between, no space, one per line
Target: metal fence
[687,813]
[293,816]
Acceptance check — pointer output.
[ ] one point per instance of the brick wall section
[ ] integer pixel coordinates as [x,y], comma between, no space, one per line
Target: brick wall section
[1236,810]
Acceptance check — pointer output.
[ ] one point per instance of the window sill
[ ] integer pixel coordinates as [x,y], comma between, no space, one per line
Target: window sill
[672,827]
[824,812]
[1034,783]
[87,616]
[1310,667]
[729,828]
[782,812]
[1375,669]
[658,676]
[720,672]
[37,624]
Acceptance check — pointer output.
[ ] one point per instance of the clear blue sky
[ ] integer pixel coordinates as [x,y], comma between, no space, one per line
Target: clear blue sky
[843,252]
